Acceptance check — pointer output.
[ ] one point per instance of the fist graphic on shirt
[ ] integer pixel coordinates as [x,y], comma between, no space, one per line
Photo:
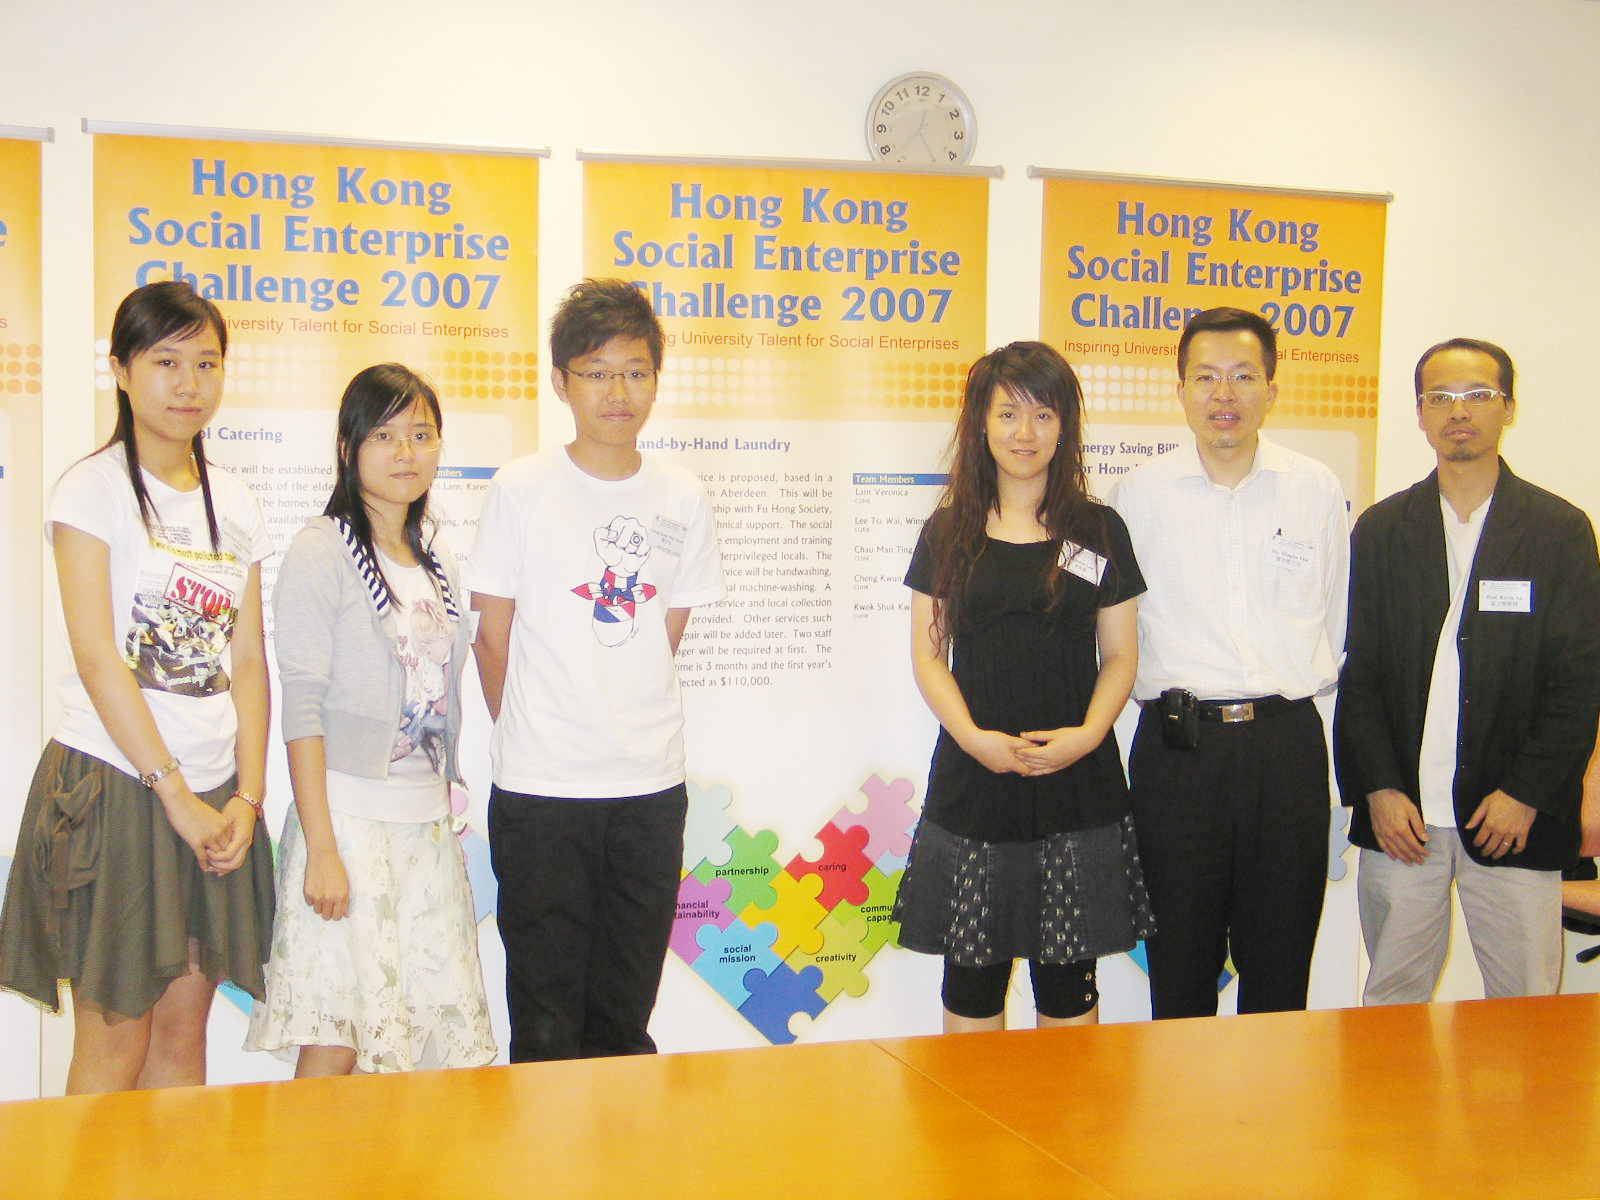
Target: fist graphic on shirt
[622,545]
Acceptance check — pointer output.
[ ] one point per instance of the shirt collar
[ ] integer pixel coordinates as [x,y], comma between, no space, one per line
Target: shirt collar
[1269,457]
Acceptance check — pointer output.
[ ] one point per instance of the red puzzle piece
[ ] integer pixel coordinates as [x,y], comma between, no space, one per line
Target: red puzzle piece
[841,867]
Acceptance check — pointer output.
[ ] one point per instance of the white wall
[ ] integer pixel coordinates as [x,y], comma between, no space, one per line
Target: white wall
[1479,115]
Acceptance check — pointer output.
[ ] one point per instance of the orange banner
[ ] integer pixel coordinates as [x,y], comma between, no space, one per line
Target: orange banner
[833,293]
[1126,262]
[325,259]
[21,485]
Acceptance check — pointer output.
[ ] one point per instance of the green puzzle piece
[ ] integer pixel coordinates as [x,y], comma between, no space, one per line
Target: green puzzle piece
[841,957]
[881,930]
[750,870]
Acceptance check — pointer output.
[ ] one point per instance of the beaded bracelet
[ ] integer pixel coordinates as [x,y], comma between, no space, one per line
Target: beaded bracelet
[254,803]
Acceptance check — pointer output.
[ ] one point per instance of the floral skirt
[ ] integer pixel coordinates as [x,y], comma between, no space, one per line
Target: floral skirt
[397,979]
[105,894]
[1059,899]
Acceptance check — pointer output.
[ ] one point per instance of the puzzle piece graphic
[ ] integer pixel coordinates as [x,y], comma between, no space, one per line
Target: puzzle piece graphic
[728,955]
[236,996]
[840,959]
[1141,959]
[480,875]
[1338,841]
[795,910]
[840,865]
[776,996]
[889,862]
[888,817]
[706,828]
[750,869]
[882,930]
[699,904]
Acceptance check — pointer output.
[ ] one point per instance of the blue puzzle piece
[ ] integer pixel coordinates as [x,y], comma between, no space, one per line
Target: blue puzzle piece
[732,953]
[236,996]
[776,996]
[1141,959]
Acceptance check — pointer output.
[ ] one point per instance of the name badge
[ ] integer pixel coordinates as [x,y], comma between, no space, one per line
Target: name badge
[1085,564]
[667,535]
[1505,595]
[1289,555]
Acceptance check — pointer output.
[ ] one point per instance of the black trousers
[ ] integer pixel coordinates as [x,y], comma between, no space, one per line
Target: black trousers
[588,893]
[1233,838]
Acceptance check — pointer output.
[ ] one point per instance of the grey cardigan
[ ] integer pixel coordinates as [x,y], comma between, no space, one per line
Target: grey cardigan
[337,667]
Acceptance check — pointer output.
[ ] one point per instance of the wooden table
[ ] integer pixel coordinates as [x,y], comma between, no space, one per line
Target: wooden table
[1483,1099]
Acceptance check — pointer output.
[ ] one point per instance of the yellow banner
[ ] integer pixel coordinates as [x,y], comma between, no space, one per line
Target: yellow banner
[820,326]
[366,254]
[1125,263]
[324,260]
[821,293]
[21,488]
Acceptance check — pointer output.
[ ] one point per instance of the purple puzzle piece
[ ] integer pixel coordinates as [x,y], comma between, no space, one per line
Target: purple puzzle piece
[699,904]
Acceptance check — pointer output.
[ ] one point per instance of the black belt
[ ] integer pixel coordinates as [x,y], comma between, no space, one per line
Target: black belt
[1232,712]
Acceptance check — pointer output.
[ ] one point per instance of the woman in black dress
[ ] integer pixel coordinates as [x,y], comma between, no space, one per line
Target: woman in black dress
[1024,643]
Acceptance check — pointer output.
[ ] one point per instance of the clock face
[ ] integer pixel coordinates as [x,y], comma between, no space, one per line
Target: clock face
[921,118]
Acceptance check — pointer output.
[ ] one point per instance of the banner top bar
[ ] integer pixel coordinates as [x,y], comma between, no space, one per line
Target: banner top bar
[814,164]
[1164,181]
[28,133]
[301,139]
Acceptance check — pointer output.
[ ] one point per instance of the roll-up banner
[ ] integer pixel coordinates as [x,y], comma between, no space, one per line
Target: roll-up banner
[326,258]
[21,487]
[820,319]
[1126,260]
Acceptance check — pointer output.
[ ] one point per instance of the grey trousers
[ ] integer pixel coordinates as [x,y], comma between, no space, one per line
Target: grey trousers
[1513,918]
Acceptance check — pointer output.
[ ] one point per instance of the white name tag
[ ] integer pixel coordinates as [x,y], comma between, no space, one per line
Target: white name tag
[667,535]
[1085,564]
[1505,595]
[1289,555]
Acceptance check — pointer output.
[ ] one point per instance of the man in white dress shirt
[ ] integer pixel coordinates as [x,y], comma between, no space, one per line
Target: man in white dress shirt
[1245,547]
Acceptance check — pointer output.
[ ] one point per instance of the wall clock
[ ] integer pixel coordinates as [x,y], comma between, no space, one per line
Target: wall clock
[921,117]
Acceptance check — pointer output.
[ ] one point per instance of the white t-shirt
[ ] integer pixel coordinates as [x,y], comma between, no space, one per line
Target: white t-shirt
[415,790]
[173,606]
[591,706]
[1436,766]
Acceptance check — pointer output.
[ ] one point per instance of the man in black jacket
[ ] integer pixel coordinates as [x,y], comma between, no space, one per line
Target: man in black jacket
[1468,698]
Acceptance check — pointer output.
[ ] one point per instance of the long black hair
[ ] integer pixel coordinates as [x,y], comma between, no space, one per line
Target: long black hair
[1027,371]
[373,398]
[148,315]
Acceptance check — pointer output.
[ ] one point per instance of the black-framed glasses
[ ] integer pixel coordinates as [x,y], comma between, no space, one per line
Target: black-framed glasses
[630,379]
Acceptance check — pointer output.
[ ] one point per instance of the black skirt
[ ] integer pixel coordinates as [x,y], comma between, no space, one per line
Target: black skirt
[1057,899]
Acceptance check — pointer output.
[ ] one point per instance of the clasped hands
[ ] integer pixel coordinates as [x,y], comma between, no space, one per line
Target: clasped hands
[1033,753]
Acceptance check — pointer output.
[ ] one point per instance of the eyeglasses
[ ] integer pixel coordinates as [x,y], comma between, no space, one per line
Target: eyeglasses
[1205,381]
[1476,398]
[600,379]
[423,441]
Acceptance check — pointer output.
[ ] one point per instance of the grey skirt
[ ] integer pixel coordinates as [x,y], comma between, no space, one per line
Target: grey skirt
[1062,898]
[105,894]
